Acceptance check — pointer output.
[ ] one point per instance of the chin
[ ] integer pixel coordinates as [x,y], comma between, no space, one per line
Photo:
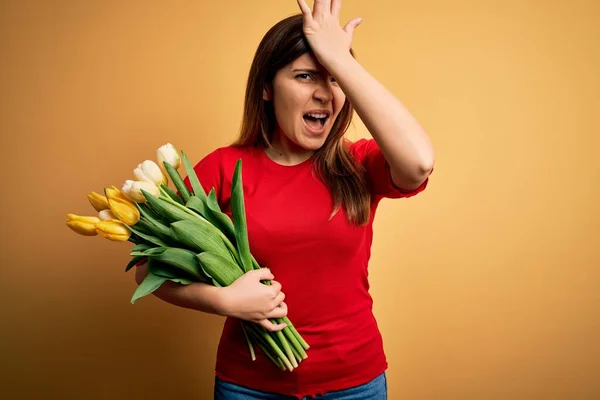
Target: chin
[314,144]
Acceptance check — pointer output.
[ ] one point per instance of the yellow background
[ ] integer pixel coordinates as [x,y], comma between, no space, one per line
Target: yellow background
[486,286]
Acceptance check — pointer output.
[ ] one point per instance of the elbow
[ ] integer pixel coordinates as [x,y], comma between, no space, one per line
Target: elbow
[420,170]
[412,178]
[426,163]
[426,168]
[423,168]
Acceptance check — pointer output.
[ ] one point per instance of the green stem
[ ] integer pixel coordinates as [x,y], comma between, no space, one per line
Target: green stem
[287,331]
[278,350]
[286,347]
[264,346]
[250,346]
[298,356]
[287,321]
[264,335]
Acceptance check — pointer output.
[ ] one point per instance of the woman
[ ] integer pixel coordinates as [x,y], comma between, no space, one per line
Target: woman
[310,199]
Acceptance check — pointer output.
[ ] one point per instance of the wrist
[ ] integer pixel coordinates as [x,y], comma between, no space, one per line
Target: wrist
[223,302]
[337,62]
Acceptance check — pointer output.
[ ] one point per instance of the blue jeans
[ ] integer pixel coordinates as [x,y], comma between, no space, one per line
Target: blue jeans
[373,390]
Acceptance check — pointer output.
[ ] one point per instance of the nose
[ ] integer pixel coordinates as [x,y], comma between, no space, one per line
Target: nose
[323,92]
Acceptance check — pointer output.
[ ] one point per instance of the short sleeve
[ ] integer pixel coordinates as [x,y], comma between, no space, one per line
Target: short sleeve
[209,172]
[377,171]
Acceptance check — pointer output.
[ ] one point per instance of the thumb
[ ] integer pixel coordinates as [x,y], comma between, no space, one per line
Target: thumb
[350,26]
[264,274]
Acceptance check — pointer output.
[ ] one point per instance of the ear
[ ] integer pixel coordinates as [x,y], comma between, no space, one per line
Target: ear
[267,93]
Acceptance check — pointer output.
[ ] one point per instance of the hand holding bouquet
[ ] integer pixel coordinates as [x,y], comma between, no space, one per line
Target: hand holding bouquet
[185,238]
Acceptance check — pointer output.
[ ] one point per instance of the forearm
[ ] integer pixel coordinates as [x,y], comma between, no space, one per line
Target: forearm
[402,140]
[196,296]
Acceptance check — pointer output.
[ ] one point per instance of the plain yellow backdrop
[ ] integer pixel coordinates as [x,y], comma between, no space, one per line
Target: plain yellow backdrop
[486,286]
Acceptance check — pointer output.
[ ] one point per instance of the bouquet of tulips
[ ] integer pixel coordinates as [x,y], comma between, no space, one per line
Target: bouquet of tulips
[185,238]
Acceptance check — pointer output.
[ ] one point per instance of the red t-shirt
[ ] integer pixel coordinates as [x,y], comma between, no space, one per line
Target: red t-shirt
[321,264]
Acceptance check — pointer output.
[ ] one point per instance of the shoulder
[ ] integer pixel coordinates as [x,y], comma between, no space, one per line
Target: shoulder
[223,156]
[361,149]
[233,151]
[215,169]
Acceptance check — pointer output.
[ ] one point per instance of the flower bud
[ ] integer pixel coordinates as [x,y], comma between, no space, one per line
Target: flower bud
[113,230]
[83,225]
[133,190]
[169,154]
[123,209]
[114,192]
[105,215]
[149,171]
[98,201]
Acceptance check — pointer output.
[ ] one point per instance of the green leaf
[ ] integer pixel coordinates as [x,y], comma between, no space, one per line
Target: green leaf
[219,218]
[153,251]
[161,269]
[133,262]
[196,204]
[141,247]
[169,210]
[148,210]
[220,268]
[183,281]
[183,263]
[200,236]
[149,238]
[154,224]
[160,231]
[212,213]
[193,178]
[239,218]
[172,194]
[150,283]
[177,181]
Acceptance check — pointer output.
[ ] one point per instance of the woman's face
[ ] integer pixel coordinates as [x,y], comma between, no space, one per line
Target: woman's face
[306,101]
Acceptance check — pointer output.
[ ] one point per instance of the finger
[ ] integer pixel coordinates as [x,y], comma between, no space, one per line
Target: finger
[263,274]
[278,312]
[350,26]
[275,288]
[278,299]
[322,7]
[336,6]
[305,9]
[271,327]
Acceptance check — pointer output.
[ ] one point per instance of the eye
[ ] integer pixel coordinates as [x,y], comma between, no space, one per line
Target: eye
[305,77]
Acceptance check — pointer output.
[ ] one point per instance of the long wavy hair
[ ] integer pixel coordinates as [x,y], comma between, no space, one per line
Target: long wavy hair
[333,164]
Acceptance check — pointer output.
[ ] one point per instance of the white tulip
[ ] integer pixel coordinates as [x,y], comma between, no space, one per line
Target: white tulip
[169,154]
[126,189]
[133,190]
[150,172]
[105,215]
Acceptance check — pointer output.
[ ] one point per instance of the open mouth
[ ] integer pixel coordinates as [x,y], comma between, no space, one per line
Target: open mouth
[316,120]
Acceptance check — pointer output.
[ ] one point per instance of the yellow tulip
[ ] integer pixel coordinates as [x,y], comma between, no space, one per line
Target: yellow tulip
[113,229]
[123,209]
[98,201]
[114,191]
[83,225]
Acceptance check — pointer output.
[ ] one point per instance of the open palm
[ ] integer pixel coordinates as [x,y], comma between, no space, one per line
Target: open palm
[323,30]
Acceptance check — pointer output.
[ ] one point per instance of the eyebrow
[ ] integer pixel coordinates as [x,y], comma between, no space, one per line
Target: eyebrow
[311,70]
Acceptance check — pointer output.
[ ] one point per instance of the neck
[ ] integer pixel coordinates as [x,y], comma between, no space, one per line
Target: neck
[285,152]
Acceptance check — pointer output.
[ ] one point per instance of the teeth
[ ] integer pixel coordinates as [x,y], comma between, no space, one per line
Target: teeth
[317,115]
